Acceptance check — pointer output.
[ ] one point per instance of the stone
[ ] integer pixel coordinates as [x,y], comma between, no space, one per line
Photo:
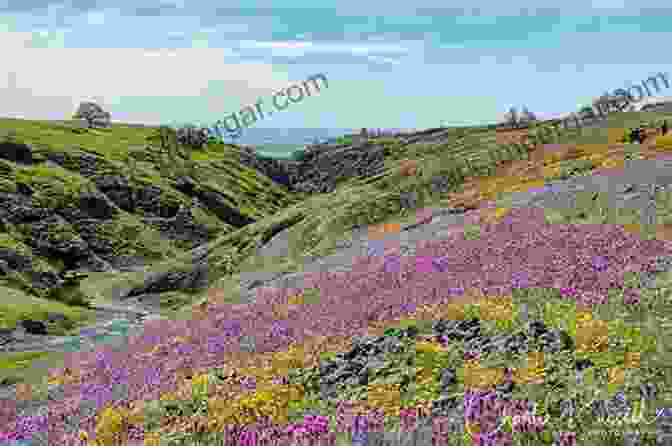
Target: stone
[195,278]
[4,267]
[117,189]
[17,152]
[34,327]
[24,189]
[55,317]
[217,204]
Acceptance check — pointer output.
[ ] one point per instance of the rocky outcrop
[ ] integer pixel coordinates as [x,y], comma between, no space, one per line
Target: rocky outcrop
[14,151]
[76,211]
[272,168]
[321,168]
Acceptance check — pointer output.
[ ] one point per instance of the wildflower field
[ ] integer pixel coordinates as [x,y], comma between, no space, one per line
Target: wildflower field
[530,326]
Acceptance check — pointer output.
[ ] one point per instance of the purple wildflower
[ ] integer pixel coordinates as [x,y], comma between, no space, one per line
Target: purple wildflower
[376,248]
[231,328]
[458,291]
[216,344]
[568,292]
[408,307]
[249,382]
[440,263]
[279,329]
[392,264]
[520,280]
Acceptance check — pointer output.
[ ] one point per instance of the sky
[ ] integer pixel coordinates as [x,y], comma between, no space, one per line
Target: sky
[388,64]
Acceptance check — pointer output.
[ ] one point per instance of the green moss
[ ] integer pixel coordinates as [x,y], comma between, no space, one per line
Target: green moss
[8,242]
[7,186]
[54,186]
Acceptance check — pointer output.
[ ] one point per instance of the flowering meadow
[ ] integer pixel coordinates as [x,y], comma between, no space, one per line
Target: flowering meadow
[255,373]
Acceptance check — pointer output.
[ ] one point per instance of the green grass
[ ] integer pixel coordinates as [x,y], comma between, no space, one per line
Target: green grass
[315,223]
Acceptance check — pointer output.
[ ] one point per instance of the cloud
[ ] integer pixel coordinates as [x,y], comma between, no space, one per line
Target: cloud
[77,74]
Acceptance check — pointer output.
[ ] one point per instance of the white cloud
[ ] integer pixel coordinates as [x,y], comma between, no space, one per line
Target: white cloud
[95,18]
[51,81]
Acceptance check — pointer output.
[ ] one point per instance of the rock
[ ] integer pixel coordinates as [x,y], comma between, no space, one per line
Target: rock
[186,185]
[197,278]
[88,165]
[18,209]
[48,240]
[17,152]
[55,317]
[92,204]
[321,167]
[217,204]
[408,200]
[6,335]
[149,200]
[15,260]
[34,327]
[440,184]
[181,227]
[24,189]
[117,190]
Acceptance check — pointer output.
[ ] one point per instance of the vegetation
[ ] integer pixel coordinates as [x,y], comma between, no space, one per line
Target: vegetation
[315,224]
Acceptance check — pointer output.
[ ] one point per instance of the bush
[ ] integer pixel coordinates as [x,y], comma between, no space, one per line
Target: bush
[299,155]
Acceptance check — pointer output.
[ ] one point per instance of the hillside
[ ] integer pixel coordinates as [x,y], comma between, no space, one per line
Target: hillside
[174,235]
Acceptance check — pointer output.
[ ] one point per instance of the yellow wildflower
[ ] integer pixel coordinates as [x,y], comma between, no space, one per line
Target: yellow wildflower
[592,336]
[496,308]
[663,142]
[178,339]
[616,376]
[428,347]
[477,376]
[110,426]
[611,163]
[200,384]
[633,360]
[533,372]
[152,439]
[168,396]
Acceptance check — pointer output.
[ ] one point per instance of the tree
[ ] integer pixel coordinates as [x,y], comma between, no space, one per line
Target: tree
[511,118]
[93,114]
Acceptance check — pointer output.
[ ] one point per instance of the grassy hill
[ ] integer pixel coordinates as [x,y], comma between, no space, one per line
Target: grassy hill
[472,163]
[314,223]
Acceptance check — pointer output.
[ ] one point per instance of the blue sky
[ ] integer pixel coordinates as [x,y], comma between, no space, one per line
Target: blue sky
[409,65]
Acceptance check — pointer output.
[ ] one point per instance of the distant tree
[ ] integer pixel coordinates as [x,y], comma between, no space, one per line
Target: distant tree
[511,118]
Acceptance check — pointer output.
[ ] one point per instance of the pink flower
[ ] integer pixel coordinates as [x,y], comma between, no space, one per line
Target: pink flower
[631,297]
[424,264]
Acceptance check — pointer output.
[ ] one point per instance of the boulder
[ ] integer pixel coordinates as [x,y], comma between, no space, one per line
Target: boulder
[117,189]
[34,327]
[218,205]
[149,200]
[92,204]
[17,152]
[181,227]
[194,278]
[55,317]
